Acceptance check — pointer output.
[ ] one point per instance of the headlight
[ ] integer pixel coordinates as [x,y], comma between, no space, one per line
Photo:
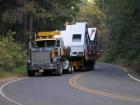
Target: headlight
[29,62]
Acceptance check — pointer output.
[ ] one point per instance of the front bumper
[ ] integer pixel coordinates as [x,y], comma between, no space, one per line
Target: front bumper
[43,67]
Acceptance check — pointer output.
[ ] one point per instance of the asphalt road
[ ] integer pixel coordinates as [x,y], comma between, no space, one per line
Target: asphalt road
[107,85]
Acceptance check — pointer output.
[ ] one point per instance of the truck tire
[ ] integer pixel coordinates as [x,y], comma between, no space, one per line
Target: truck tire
[93,68]
[30,73]
[70,70]
[83,68]
[59,72]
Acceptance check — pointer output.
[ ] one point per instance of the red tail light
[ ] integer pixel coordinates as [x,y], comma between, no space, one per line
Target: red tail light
[98,53]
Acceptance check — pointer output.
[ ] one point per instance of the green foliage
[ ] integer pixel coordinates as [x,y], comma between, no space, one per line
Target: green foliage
[95,17]
[21,71]
[12,54]
[92,14]
[136,63]
[123,19]
[37,15]
[106,57]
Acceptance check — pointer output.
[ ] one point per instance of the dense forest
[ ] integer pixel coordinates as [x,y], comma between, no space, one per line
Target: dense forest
[117,22]
[23,16]
[123,22]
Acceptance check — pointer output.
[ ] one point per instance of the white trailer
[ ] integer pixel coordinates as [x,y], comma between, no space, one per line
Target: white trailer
[77,38]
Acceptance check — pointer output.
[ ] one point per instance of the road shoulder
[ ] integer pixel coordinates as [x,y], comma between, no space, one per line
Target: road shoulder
[131,73]
[5,80]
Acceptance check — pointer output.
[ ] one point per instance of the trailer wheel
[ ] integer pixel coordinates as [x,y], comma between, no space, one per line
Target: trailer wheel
[30,73]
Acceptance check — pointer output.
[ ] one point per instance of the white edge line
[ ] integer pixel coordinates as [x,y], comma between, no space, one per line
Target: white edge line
[4,85]
[132,77]
[123,69]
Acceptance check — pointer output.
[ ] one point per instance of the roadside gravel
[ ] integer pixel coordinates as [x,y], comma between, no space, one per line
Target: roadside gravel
[4,80]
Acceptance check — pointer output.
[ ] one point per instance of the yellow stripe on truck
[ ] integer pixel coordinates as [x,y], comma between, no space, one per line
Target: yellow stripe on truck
[45,34]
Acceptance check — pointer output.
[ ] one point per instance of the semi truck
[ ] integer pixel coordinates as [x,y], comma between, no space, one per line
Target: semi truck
[47,54]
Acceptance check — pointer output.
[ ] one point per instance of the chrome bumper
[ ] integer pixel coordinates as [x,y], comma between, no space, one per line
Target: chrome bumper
[44,67]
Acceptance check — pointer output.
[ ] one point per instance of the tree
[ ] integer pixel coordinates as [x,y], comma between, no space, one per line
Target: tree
[92,14]
[123,21]
[44,15]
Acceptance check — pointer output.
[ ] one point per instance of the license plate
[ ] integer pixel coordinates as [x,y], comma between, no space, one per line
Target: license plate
[41,70]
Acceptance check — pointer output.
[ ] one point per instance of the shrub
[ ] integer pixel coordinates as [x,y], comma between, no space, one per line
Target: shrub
[136,63]
[106,57]
[12,54]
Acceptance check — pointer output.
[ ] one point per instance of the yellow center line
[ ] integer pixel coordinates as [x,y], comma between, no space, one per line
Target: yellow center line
[73,82]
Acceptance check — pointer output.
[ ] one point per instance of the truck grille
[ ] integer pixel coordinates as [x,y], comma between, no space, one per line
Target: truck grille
[40,57]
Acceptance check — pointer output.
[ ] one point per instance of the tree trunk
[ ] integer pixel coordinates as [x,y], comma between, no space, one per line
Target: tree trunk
[30,23]
[25,23]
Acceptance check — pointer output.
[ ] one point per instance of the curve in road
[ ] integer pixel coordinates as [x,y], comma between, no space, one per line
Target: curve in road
[74,82]
[55,90]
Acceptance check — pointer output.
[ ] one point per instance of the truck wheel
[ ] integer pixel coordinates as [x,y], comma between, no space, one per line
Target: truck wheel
[30,73]
[59,72]
[83,68]
[93,67]
[70,70]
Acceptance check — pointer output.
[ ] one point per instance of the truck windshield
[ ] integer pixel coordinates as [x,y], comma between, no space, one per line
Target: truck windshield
[50,43]
[46,43]
[40,43]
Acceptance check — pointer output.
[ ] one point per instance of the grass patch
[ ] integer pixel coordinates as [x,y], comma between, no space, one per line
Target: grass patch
[105,58]
[18,72]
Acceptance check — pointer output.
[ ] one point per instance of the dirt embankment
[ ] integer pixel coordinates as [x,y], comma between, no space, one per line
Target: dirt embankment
[4,80]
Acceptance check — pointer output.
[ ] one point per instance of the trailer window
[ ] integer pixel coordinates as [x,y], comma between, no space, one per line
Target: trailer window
[76,38]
